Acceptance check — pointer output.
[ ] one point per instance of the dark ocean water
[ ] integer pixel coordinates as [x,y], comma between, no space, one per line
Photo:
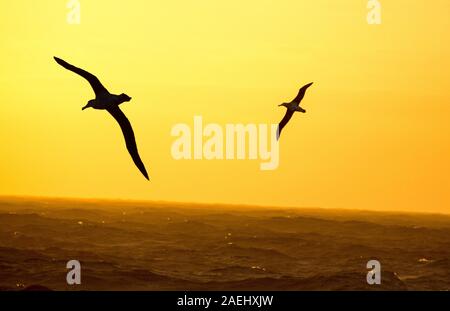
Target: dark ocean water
[163,246]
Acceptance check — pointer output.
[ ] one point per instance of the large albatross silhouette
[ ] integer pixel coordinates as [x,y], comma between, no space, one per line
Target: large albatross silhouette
[292,107]
[110,102]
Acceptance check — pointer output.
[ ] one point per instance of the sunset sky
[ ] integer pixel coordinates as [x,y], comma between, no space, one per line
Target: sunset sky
[376,134]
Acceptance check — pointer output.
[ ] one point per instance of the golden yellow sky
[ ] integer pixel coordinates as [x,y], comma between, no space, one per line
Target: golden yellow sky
[376,134]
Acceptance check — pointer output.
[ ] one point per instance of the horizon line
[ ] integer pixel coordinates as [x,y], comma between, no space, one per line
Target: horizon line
[215,204]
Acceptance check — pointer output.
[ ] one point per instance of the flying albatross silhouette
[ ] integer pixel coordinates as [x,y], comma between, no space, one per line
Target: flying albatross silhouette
[292,107]
[110,102]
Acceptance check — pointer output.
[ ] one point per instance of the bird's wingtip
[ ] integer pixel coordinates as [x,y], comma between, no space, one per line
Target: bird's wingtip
[145,175]
[59,60]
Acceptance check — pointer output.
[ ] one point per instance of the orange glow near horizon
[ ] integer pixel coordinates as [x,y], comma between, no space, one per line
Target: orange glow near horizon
[376,134]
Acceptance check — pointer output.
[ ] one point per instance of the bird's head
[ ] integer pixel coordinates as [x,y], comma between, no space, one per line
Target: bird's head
[124,98]
[89,104]
[283,104]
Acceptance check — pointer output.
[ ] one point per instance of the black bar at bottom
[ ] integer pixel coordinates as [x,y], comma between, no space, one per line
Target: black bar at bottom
[206,300]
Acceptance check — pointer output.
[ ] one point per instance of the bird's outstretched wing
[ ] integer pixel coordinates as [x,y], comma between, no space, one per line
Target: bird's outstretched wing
[93,80]
[128,134]
[284,121]
[301,93]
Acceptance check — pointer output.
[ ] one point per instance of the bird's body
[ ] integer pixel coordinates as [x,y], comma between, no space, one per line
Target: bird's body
[292,107]
[104,100]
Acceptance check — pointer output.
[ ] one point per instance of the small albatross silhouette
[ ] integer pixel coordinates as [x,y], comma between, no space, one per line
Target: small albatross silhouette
[292,107]
[110,102]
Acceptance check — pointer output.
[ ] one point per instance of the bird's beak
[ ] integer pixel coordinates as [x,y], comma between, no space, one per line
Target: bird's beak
[84,107]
